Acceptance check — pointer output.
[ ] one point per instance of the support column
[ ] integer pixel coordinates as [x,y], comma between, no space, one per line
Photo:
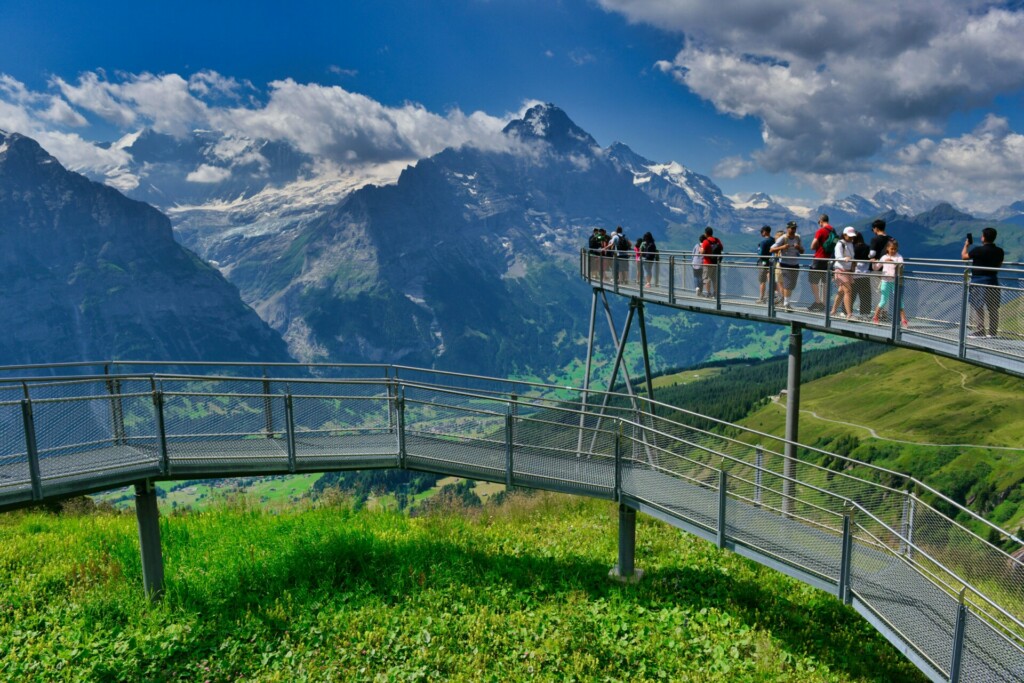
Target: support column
[625,571]
[586,375]
[647,358]
[792,415]
[148,516]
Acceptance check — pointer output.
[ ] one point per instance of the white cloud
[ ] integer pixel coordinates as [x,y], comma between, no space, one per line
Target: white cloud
[208,174]
[835,83]
[734,167]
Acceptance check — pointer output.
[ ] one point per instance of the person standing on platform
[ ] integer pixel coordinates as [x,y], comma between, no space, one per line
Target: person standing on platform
[712,249]
[984,293]
[861,276]
[823,238]
[697,264]
[789,249]
[764,261]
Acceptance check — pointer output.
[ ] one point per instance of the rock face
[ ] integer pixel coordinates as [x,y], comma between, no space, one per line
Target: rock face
[88,274]
[469,261]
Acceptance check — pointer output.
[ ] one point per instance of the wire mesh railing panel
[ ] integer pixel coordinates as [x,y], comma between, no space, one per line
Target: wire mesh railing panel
[994,573]
[14,468]
[935,305]
[988,656]
[341,426]
[548,450]
[211,428]
[740,280]
[915,607]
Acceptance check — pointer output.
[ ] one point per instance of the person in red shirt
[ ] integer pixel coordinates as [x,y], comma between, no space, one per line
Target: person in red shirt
[819,266]
[710,247]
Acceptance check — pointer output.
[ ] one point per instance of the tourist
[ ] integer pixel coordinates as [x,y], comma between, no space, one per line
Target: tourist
[789,249]
[891,264]
[984,287]
[843,269]
[819,266]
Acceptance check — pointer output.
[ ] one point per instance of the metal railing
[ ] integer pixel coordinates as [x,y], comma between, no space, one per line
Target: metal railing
[949,598]
[939,306]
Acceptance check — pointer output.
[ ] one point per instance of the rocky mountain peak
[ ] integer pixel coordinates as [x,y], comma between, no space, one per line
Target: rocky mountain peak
[552,125]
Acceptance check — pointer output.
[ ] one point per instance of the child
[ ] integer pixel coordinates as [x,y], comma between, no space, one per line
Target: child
[889,264]
[697,263]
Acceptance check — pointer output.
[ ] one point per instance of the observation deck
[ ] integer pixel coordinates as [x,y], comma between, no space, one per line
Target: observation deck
[938,298]
[947,597]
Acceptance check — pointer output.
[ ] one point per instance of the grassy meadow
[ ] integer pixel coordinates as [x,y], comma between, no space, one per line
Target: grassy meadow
[516,591]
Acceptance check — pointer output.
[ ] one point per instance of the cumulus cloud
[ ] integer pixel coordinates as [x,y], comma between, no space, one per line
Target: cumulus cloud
[734,167]
[336,127]
[982,168]
[834,83]
[208,174]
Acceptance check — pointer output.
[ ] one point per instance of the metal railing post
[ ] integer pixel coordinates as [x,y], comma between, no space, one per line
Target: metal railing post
[964,313]
[289,419]
[723,497]
[31,449]
[618,459]
[829,273]
[391,405]
[910,527]
[116,410]
[268,414]
[671,279]
[158,409]
[400,409]
[508,445]
[718,283]
[897,302]
[771,287]
[959,628]
[846,557]
[615,274]
[758,464]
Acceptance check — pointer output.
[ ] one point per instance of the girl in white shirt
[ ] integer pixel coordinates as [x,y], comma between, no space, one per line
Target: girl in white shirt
[889,264]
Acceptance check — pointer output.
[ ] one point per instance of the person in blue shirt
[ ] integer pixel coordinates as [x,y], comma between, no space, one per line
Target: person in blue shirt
[764,260]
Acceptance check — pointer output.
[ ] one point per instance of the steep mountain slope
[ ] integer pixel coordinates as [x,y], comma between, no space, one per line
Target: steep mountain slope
[469,261]
[90,274]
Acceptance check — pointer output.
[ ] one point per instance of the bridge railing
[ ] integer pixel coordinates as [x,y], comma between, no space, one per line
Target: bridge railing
[838,523]
[946,309]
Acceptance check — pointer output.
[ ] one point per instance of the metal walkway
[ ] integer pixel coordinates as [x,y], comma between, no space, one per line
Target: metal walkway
[940,301]
[946,597]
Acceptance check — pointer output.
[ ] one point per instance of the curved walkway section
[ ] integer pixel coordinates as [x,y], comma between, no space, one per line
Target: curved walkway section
[947,313]
[949,599]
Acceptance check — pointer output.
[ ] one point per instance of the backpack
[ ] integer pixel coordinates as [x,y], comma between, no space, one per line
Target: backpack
[595,242]
[716,246]
[625,246]
[830,244]
[649,251]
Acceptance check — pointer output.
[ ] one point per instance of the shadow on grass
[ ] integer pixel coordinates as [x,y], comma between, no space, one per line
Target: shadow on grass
[358,567]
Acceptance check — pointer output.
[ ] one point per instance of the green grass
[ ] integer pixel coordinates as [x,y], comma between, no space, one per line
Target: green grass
[516,592]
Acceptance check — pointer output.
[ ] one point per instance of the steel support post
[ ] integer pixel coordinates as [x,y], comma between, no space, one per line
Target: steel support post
[846,558]
[647,358]
[391,405]
[718,284]
[910,527]
[723,498]
[31,449]
[771,287]
[792,416]
[586,375]
[828,295]
[959,628]
[148,516]
[618,460]
[289,418]
[626,571]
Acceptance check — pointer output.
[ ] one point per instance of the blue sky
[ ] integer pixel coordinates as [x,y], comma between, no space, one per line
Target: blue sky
[804,99]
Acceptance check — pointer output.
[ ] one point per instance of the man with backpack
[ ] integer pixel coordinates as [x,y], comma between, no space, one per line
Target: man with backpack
[824,246]
[712,249]
[620,249]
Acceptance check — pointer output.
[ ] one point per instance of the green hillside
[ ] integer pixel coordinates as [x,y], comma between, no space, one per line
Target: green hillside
[506,593]
[954,426]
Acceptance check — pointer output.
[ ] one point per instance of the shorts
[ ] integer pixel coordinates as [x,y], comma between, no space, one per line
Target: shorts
[844,278]
[819,267]
[789,275]
[762,272]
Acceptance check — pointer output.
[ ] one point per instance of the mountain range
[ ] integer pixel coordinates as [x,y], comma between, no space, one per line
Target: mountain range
[89,274]
[465,260]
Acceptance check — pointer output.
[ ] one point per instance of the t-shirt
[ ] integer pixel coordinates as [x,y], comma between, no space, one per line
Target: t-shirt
[878,243]
[789,254]
[821,236]
[982,258]
[889,266]
[844,250]
[698,256]
[860,253]
[707,246]
[763,247]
